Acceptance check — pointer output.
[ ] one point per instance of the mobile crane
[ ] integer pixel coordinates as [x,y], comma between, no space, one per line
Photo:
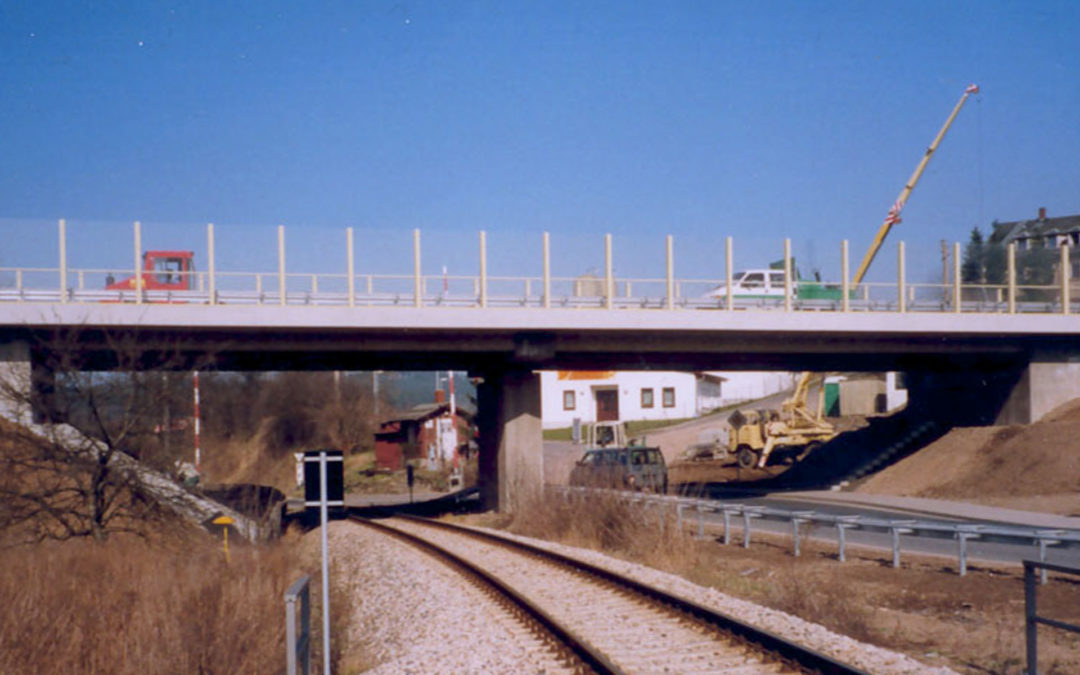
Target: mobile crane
[755,434]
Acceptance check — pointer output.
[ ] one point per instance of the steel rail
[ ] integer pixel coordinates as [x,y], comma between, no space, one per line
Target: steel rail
[790,653]
[573,646]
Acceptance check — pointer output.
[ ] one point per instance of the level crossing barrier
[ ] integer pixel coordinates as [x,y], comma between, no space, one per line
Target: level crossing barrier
[689,509]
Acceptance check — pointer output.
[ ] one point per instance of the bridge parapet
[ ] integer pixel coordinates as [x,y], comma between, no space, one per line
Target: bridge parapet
[411,288]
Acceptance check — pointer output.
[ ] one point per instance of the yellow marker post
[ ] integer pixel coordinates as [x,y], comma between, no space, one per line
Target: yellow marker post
[224,521]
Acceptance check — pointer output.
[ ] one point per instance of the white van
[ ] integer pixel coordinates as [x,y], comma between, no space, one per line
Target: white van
[754,284]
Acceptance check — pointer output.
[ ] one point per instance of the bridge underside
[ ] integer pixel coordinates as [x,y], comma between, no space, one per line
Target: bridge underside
[975,377]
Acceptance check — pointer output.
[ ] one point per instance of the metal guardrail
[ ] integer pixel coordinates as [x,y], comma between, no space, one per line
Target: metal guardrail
[1031,615]
[962,533]
[298,627]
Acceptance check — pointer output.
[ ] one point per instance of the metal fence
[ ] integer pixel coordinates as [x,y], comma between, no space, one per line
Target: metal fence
[690,513]
[298,627]
[1031,615]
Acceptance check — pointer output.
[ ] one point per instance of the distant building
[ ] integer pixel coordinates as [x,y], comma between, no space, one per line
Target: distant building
[426,433]
[596,396]
[1043,233]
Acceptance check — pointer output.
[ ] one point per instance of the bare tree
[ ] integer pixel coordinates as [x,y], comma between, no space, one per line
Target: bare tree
[78,475]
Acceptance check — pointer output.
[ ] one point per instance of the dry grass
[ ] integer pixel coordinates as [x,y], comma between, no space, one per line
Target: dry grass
[973,624]
[128,606]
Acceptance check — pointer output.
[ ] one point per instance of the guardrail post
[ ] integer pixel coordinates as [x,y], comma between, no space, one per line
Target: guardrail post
[609,279]
[350,264]
[787,274]
[957,296]
[845,284]
[483,268]
[1043,539]
[547,270]
[210,269]
[63,261]
[797,518]
[281,264]
[727,526]
[418,291]
[748,514]
[962,535]
[842,524]
[896,530]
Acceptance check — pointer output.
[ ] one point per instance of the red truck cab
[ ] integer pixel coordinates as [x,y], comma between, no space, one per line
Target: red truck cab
[162,270]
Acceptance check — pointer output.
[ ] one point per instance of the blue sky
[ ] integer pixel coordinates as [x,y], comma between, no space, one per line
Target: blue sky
[703,120]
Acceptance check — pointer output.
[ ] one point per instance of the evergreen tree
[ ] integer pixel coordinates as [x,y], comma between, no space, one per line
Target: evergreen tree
[971,270]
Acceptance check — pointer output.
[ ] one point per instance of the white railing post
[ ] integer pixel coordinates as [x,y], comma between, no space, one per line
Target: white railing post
[351,267]
[845,284]
[210,265]
[670,273]
[547,271]
[729,274]
[281,263]
[138,263]
[1064,265]
[957,295]
[901,280]
[609,279]
[483,268]
[63,261]
[418,291]
[787,275]
[1010,273]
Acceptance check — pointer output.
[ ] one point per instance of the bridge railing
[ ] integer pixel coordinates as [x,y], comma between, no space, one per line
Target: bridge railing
[348,286]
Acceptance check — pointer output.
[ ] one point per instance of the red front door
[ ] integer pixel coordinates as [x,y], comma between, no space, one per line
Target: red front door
[607,405]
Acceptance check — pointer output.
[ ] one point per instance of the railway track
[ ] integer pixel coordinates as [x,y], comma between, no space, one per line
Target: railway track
[601,622]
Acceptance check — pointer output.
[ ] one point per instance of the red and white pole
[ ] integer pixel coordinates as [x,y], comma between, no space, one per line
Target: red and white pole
[195,387]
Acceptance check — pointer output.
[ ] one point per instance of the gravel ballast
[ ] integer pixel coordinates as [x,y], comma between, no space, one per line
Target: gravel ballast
[411,614]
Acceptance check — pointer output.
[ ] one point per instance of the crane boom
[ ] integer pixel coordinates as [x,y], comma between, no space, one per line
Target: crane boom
[894,212]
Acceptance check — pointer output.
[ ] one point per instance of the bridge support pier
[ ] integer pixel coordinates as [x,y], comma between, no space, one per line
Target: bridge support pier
[15,379]
[511,438]
[1050,379]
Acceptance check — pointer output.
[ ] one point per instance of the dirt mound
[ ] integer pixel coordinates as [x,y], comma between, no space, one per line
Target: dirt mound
[1034,467]
[1066,412]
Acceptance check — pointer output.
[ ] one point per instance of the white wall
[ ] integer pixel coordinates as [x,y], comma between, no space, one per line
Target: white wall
[629,385]
[742,386]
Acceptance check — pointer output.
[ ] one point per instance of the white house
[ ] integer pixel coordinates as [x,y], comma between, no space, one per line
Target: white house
[591,395]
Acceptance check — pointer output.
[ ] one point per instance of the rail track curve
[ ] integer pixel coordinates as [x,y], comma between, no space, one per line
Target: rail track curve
[607,623]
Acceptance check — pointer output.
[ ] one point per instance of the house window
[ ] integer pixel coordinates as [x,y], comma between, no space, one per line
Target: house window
[569,401]
[646,398]
[669,397]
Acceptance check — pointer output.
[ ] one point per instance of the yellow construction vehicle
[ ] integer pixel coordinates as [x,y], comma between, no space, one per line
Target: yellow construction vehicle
[755,434]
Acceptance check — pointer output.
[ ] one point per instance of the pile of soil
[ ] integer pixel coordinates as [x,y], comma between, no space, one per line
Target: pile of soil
[1033,467]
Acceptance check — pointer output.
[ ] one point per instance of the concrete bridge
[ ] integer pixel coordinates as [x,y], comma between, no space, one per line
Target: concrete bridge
[1004,355]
